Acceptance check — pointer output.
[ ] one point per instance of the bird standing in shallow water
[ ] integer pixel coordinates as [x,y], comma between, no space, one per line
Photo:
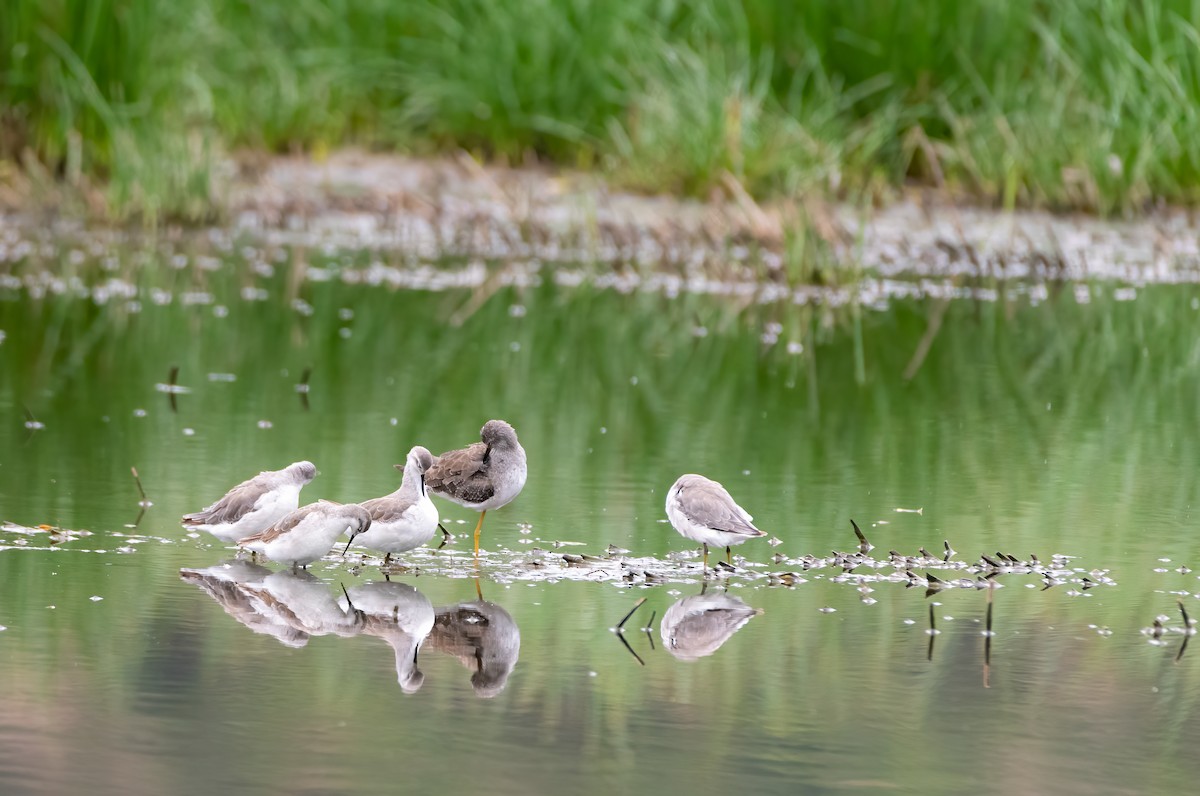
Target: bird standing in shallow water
[482,476]
[406,518]
[255,504]
[308,533]
[702,510]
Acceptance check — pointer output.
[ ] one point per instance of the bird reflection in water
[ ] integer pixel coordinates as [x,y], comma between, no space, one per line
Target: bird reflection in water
[483,637]
[402,617]
[225,583]
[304,601]
[697,626]
[294,606]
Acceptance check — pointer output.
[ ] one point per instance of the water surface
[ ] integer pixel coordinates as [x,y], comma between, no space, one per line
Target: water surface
[1038,424]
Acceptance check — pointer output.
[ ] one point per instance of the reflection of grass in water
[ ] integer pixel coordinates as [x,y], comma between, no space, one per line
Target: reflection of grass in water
[1083,104]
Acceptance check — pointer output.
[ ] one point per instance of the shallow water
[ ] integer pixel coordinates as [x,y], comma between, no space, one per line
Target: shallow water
[133,661]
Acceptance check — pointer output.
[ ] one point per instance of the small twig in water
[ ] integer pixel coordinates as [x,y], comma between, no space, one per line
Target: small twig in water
[933,631]
[637,605]
[172,382]
[863,545]
[145,501]
[649,628]
[302,387]
[987,643]
[631,652]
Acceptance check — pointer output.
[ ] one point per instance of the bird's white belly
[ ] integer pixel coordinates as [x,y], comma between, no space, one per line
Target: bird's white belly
[270,509]
[507,484]
[699,533]
[305,543]
[413,529]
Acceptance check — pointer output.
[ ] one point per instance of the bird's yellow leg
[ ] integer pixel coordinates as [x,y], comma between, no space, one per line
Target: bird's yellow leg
[728,556]
[478,527]
[705,544]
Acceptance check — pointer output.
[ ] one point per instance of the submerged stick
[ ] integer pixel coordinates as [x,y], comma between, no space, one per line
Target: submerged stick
[637,605]
[145,502]
[864,546]
[637,657]
[932,634]
[987,642]
[172,381]
[302,387]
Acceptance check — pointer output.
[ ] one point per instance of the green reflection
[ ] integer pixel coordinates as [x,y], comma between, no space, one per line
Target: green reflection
[1057,428]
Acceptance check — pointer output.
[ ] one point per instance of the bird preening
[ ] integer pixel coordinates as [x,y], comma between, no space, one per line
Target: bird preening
[262,513]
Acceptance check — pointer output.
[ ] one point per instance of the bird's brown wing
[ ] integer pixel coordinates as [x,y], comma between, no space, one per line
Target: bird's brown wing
[462,474]
[236,503]
[712,507]
[386,509]
[289,521]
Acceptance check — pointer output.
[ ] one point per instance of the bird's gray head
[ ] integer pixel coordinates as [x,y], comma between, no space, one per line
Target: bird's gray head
[421,457]
[691,480]
[498,434]
[302,472]
[413,683]
[490,680]
[358,519]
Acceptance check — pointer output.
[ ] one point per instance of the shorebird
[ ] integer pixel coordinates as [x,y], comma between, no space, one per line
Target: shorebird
[701,510]
[697,626]
[307,533]
[401,616]
[404,519]
[226,583]
[483,637]
[255,504]
[482,476]
[302,600]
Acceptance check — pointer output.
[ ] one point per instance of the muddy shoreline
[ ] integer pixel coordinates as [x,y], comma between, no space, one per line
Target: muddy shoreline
[431,209]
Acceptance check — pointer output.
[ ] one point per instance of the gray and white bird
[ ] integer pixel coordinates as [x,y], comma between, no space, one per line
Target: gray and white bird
[308,533]
[255,504]
[400,615]
[227,584]
[702,510]
[483,637]
[406,518]
[697,626]
[482,476]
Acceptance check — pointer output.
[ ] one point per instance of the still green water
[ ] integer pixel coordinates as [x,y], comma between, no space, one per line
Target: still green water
[1061,428]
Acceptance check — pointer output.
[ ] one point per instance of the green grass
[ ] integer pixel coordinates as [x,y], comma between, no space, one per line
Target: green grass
[1089,105]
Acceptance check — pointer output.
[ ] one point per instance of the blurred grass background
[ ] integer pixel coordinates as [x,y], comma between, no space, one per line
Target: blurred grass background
[1090,105]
